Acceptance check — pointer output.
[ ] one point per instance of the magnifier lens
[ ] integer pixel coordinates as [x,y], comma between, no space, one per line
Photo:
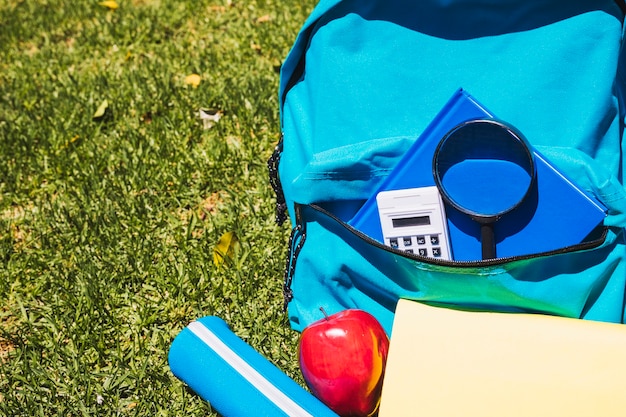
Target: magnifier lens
[484,169]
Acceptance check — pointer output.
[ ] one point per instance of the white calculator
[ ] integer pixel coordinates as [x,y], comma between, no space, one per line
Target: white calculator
[414,221]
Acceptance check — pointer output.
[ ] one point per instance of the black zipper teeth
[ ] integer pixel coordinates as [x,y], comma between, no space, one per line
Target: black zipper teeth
[464,264]
[272,165]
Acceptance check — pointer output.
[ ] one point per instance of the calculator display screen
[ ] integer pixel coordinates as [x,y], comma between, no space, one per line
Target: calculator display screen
[411,221]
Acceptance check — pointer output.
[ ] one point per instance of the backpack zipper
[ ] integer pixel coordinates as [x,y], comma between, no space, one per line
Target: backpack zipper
[272,166]
[591,244]
[296,241]
[298,237]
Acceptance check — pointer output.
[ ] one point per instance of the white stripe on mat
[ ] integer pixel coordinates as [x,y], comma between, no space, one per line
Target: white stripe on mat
[275,395]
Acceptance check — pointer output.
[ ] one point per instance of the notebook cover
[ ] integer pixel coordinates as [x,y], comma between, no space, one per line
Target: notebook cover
[234,378]
[445,362]
[556,214]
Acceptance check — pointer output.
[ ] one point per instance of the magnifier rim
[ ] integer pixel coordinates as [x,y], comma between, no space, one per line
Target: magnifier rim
[518,137]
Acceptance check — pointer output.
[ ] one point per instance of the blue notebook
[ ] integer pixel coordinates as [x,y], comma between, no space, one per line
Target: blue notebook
[234,378]
[555,215]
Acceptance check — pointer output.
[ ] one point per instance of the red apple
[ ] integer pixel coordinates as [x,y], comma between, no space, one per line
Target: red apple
[342,359]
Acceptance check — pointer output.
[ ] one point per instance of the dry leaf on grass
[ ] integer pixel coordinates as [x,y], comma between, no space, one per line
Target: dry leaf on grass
[193,80]
[209,117]
[264,19]
[225,248]
[109,4]
[101,111]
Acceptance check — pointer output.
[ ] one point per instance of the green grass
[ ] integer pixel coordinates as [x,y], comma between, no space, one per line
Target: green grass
[108,225]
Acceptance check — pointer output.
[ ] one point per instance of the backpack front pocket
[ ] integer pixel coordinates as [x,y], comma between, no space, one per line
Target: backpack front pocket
[338,267]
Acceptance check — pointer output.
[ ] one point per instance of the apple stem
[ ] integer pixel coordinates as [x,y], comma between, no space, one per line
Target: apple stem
[324,312]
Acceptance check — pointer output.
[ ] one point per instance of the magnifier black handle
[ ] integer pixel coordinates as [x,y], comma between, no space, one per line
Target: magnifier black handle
[488,241]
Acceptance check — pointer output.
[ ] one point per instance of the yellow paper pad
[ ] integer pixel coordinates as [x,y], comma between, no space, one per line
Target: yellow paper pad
[450,363]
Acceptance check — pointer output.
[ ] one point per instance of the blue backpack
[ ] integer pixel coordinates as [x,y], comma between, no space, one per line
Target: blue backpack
[364,80]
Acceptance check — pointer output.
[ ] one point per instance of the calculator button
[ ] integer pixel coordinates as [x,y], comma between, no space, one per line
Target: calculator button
[434,239]
[407,241]
[421,240]
[409,251]
[437,252]
[423,252]
[394,243]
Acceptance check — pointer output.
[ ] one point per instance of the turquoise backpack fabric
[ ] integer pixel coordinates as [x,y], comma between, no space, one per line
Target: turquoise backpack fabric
[363,80]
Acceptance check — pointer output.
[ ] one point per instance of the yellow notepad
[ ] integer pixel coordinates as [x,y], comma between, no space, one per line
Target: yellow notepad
[449,363]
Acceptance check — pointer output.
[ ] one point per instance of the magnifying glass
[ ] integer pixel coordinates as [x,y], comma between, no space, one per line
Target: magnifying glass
[484,169]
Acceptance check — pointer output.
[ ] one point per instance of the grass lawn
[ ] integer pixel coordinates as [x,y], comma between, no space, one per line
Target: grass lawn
[114,195]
